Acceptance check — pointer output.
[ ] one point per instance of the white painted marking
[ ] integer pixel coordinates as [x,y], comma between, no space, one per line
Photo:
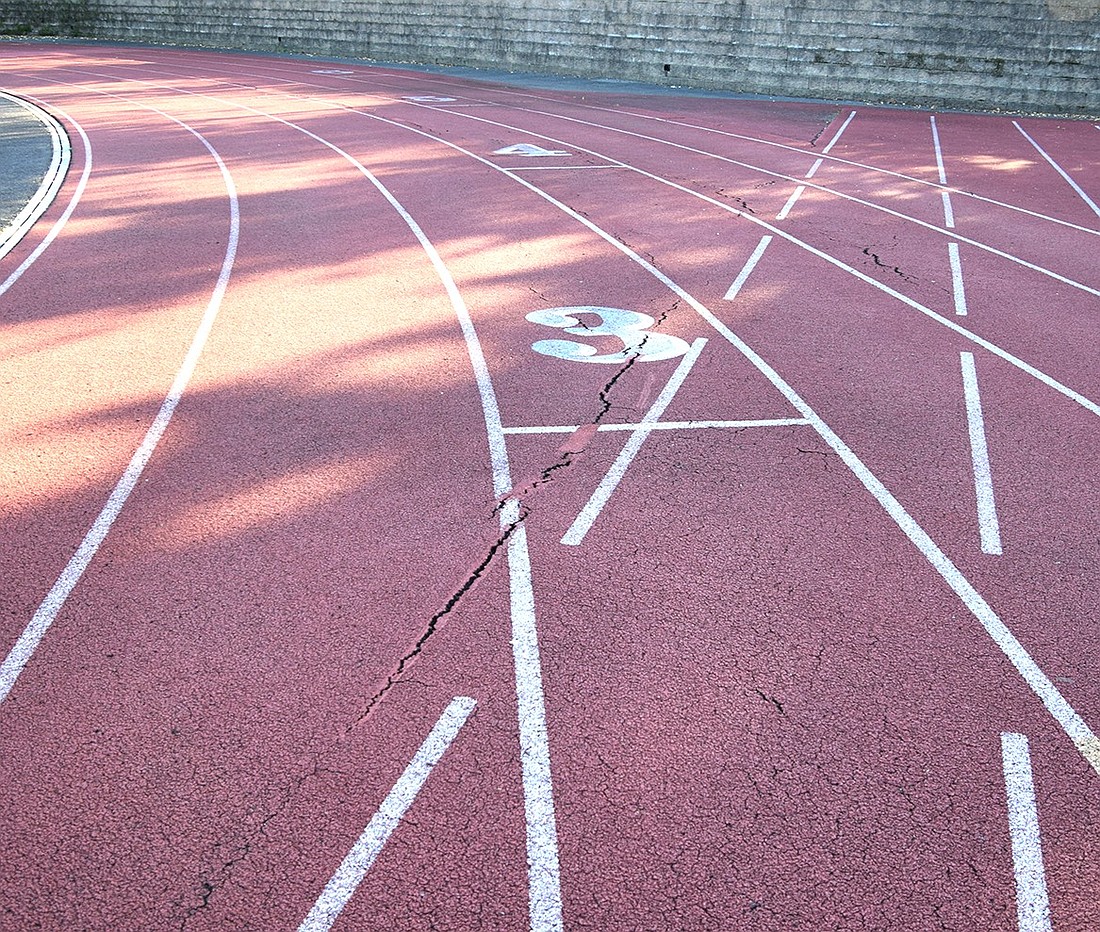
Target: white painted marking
[529,150]
[988,527]
[948,211]
[957,279]
[65,214]
[611,480]
[52,177]
[354,867]
[47,612]
[560,168]
[665,425]
[1032,905]
[782,215]
[839,133]
[763,171]
[330,71]
[543,872]
[1061,171]
[543,867]
[631,328]
[1063,713]
[813,168]
[746,270]
[939,151]
[432,100]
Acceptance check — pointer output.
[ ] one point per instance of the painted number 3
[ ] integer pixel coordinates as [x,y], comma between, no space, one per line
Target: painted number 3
[630,327]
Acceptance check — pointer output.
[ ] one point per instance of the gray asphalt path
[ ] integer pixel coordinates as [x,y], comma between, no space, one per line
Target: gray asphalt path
[25,152]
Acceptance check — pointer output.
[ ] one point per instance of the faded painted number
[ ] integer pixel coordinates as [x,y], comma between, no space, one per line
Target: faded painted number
[630,327]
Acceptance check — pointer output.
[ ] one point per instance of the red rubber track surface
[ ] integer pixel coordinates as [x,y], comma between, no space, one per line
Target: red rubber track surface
[766,708]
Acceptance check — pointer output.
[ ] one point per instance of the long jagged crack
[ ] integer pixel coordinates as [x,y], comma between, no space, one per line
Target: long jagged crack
[437,618]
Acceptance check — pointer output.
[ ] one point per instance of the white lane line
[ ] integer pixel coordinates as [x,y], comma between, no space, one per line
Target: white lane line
[1075,727]
[44,617]
[948,210]
[370,81]
[1061,171]
[1032,905]
[839,133]
[782,215]
[52,178]
[69,208]
[611,480]
[746,270]
[543,872]
[957,279]
[813,168]
[939,151]
[881,208]
[561,168]
[354,867]
[665,425]
[989,528]
[543,866]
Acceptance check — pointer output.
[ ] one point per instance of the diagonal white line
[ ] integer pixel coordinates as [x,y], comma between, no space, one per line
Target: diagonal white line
[354,867]
[839,133]
[611,480]
[746,270]
[1061,171]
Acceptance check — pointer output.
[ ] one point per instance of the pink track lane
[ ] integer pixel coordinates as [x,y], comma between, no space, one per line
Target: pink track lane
[766,709]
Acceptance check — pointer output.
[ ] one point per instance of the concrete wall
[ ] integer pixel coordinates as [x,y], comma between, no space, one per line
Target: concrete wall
[1031,55]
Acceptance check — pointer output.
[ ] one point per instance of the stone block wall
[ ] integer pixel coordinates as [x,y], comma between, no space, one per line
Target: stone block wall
[1029,55]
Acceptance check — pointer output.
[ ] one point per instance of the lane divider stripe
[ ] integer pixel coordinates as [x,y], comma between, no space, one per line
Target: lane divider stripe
[1032,904]
[47,612]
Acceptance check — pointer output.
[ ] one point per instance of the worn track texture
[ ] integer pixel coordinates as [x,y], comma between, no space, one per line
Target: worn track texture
[1036,55]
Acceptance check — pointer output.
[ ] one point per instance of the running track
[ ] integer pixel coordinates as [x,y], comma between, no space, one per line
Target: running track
[350,582]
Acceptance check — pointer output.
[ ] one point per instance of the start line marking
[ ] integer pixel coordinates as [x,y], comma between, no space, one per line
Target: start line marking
[665,425]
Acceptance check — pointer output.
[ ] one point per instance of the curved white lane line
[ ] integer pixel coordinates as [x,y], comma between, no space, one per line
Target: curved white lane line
[953,234]
[756,140]
[543,868]
[47,612]
[1063,713]
[1008,357]
[69,208]
[1061,171]
[52,178]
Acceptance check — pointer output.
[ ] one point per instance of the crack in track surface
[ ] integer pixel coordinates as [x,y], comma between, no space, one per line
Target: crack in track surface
[437,618]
